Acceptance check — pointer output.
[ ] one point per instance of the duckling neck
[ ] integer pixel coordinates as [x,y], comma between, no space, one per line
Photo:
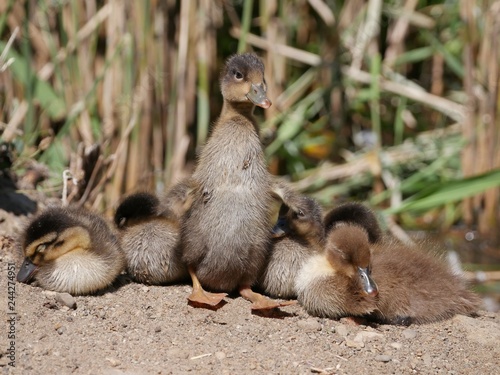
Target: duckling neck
[230,109]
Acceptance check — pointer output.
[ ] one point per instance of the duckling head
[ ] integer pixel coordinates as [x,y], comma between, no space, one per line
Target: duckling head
[304,218]
[357,214]
[242,80]
[135,208]
[49,237]
[348,252]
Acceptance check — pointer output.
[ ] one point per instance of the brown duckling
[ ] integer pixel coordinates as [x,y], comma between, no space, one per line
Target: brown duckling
[415,286]
[399,284]
[302,236]
[70,250]
[150,240]
[226,233]
[337,283]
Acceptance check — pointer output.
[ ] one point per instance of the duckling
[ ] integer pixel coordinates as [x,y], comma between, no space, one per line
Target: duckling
[395,283]
[337,283]
[150,239]
[226,232]
[70,250]
[302,236]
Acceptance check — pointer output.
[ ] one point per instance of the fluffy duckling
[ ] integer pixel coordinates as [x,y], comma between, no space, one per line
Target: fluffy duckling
[302,236]
[226,233]
[395,283]
[337,282]
[150,239]
[70,250]
[417,287]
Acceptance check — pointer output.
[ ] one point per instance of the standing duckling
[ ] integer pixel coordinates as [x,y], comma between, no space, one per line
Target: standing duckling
[226,233]
[70,250]
[303,236]
[337,282]
[150,239]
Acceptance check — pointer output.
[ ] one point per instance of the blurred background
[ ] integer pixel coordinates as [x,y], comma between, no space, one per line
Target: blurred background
[394,103]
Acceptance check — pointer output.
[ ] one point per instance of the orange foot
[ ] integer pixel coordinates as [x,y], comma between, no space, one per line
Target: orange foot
[260,302]
[202,297]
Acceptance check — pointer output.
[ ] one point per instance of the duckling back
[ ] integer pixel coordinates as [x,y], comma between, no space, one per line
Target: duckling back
[417,287]
[70,250]
[150,240]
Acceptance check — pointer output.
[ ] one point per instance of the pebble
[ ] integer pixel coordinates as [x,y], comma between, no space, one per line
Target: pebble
[61,330]
[309,324]
[342,330]
[354,344]
[158,329]
[113,361]
[366,336]
[220,355]
[66,299]
[383,358]
[409,334]
[396,345]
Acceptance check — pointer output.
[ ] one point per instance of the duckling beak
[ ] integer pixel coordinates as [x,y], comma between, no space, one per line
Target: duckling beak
[257,96]
[280,229]
[27,271]
[369,286]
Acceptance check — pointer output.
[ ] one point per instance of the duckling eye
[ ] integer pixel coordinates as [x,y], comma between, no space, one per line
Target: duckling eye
[238,75]
[41,248]
[300,213]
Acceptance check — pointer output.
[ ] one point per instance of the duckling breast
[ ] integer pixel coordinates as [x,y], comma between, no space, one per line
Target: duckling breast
[226,233]
[79,272]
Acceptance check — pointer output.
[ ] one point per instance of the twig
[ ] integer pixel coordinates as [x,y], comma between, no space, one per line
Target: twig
[454,110]
[482,276]
[5,64]
[201,356]
[66,177]
[11,130]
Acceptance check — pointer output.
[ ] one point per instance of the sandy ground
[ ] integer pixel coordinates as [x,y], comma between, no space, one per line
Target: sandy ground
[138,329]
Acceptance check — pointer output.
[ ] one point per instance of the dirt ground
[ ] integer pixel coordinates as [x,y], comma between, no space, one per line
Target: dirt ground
[138,329]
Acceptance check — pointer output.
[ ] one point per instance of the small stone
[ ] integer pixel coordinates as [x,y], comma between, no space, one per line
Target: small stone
[342,330]
[409,334]
[145,289]
[66,299]
[157,329]
[113,361]
[61,330]
[220,355]
[383,358]
[396,345]
[367,336]
[354,344]
[309,324]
